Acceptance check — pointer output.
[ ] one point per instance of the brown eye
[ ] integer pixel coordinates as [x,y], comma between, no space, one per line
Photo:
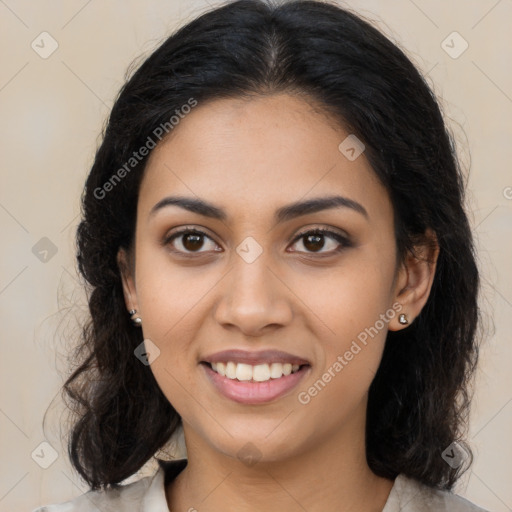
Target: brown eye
[192,241]
[189,241]
[315,240]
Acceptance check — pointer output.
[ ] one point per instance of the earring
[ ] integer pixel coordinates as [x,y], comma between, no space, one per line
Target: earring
[136,320]
[403,319]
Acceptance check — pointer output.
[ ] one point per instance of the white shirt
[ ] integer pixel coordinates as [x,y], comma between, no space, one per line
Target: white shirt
[148,495]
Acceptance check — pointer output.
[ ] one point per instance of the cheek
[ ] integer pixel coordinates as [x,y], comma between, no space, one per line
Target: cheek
[168,304]
[348,297]
[351,312]
[168,295]
[349,353]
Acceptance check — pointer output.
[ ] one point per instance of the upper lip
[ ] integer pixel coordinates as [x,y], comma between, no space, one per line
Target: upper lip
[254,357]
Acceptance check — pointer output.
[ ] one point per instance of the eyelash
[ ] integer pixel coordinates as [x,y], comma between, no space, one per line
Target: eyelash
[342,240]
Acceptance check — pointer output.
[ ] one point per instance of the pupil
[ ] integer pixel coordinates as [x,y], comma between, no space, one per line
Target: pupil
[315,240]
[192,242]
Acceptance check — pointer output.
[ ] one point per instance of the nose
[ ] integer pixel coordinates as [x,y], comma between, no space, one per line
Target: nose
[253,298]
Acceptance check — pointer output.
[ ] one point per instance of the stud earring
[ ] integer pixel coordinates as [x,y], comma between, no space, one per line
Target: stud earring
[136,320]
[403,319]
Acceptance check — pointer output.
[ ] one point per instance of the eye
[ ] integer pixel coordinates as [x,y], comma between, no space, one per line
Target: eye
[314,241]
[190,241]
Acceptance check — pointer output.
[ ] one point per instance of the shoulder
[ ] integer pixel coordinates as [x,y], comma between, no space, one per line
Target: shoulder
[410,495]
[145,494]
[123,498]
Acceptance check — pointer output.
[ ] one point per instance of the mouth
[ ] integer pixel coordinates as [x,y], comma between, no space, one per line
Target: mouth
[254,384]
[253,373]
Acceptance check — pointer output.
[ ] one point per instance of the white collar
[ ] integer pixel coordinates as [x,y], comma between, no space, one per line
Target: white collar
[154,499]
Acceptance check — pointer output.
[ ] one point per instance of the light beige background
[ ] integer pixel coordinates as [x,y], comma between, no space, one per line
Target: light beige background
[52,112]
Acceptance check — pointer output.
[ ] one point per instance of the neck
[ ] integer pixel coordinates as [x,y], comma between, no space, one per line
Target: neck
[330,476]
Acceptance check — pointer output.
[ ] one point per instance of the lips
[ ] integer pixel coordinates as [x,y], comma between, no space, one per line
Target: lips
[255,357]
[254,377]
[254,393]
[262,387]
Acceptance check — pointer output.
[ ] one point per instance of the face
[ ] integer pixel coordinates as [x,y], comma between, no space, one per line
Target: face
[256,277]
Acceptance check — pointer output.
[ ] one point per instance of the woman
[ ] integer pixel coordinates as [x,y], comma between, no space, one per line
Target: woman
[280,263]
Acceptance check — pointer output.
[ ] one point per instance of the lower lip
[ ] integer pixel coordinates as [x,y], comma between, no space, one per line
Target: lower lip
[247,392]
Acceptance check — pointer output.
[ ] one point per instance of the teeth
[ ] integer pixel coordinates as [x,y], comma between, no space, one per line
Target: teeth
[220,369]
[243,371]
[276,370]
[261,372]
[231,370]
[258,373]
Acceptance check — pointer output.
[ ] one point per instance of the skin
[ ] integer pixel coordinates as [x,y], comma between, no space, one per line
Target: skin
[251,157]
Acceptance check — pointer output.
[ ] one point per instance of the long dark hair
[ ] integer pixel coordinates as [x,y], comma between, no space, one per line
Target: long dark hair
[419,400]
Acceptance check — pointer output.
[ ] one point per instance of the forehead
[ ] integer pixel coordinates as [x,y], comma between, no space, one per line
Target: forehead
[253,156]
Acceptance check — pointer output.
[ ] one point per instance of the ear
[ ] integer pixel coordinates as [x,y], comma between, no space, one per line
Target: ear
[415,278]
[126,269]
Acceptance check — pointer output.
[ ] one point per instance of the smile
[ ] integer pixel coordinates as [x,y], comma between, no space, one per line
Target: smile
[257,384]
[256,373]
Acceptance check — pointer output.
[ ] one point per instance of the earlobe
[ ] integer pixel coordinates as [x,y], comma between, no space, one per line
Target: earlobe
[124,265]
[415,280]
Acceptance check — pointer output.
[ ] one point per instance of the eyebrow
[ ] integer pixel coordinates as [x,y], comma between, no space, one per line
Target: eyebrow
[282,214]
